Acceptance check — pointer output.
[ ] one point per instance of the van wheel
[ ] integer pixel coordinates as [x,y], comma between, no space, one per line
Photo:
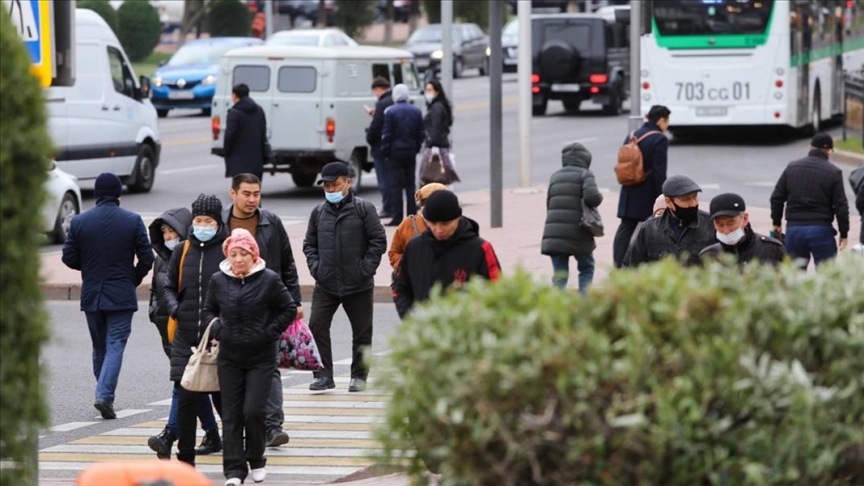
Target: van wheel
[145,171]
[161,113]
[356,166]
[484,68]
[615,105]
[304,180]
[68,209]
[540,110]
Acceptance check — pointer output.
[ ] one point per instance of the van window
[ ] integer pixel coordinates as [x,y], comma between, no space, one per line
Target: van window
[382,70]
[297,79]
[410,76]
[397,74]
[256,77]
[120,74]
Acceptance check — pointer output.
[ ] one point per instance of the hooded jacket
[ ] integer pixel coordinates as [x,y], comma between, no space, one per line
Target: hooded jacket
[563,233]
[427,262]
[245,139]
[752,247]
[657,239]
[403,133]
[179,219]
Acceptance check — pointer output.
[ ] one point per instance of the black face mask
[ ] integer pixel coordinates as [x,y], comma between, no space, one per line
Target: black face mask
[686,215]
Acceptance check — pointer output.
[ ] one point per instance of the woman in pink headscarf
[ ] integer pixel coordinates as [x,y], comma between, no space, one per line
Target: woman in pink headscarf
[254,308]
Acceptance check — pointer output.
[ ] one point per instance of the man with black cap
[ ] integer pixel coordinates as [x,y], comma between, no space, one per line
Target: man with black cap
[450,252]
[681,232]
[736,236]
[103,244]
[811,189]
[343,246]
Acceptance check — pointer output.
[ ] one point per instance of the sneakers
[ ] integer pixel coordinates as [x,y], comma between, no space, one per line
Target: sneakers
[357,385]
[161,444]
[259,475]
[277,437]
[323,383]
[106,408]
[210,444]
[233,482]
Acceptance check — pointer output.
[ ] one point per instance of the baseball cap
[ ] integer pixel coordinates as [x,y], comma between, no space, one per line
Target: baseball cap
[333,171]
[727,204]
[678,185]
[822,141]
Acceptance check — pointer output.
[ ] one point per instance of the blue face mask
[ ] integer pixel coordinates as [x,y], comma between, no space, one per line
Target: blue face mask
[334,197]
[204,233]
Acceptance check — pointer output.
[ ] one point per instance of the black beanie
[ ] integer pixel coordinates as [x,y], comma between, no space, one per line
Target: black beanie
[442,206]
[108,184]
[207,206]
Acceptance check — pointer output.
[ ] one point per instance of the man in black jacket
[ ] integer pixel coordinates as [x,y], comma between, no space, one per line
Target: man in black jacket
[381,90]
[245,135]
[449,253]
[343,246]
[736,236]
[275,247]
[636,202]
[812,191]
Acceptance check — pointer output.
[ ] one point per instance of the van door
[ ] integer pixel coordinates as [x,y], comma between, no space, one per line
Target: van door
[297,106]
[58,117]
[259,77]
[125,113]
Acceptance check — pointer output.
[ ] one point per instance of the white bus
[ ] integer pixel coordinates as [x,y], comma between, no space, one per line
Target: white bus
[750,62]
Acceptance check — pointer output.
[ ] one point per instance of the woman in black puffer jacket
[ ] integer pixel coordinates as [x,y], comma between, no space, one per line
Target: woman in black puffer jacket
[254,308]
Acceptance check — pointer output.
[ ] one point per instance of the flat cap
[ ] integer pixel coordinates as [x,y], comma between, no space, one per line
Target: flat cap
[727,204]
[678,185]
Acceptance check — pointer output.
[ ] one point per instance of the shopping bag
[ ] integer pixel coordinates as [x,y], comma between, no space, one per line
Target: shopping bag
[591,220]
[297,348]
[201,373]
[434,170]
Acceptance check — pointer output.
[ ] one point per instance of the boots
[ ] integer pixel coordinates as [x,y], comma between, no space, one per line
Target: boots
[211,443]
[161,444]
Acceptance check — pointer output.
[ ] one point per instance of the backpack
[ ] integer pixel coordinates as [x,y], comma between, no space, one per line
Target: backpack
[359,205]
[630,169]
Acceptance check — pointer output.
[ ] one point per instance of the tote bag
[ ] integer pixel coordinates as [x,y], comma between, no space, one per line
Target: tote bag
[201,374]
[591,220]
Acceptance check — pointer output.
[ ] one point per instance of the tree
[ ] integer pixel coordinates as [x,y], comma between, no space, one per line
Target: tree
[414,17]
[24,152]
[353,16]
[139,30]
[388,22]
[194,12]
[322,14]
[104,9]
[227,18]
[469,11]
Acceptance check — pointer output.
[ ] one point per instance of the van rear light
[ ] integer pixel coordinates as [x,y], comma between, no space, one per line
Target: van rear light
[535,78]
[214,125]
[330,129]
[535,89]
[778,83]
[598,78]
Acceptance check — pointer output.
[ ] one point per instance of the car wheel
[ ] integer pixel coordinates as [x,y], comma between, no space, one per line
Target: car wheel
[161,113]
[68,210]
[356,166]
[145,170]
[457,68]
[484,68]
[540,110]
[613,108]
[304,180]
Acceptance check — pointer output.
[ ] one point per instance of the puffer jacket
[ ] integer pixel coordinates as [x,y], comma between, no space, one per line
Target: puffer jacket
[253,312]
[186,300]
[179,219]
[563,233]
[344,245]
[437,122]
[657,239]
[754,246]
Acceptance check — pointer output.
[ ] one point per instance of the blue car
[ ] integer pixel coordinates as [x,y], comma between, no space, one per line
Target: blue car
[188,79]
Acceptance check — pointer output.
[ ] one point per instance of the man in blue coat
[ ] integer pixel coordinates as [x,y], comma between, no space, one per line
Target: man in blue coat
[401,141]
[102,243]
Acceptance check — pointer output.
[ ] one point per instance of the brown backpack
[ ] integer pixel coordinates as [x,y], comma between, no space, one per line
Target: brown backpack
[630,170]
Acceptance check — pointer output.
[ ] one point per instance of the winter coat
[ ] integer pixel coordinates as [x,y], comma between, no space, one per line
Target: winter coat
[344,245]
[186,300]
[427,262]
[754,246]
[657,239]
[437,123]
[636,202]
[179,219]
[275,248]
[376,126]
[103,243]
[859,204]
[409,228]
[245,139]
[812,190]
[403,133]
[563,233]
[253,312]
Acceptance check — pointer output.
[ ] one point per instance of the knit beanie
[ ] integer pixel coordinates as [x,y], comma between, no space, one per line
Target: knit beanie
[243,239]
[207,206]
[442,206]
[423,194]
[108,184]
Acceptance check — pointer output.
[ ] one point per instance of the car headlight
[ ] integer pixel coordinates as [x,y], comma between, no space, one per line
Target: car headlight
[437,54]
[157,81]
[488,51]
[209,80]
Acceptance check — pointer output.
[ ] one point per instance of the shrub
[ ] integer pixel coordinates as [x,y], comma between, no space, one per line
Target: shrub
[139,29]
[353,16]
[663,375]
[24,151]
[104,9]
[228,18]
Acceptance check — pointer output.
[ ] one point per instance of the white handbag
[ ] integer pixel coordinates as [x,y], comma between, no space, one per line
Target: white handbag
[201,374]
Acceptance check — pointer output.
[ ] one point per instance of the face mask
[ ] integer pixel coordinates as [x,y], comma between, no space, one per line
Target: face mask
[686,215]
[204,233]
[429,96]
[732,238]
[170,244]
[334,197]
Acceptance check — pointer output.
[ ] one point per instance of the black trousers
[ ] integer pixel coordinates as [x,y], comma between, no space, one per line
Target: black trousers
[622,239]
[187,422]
[275,415]
[402,178]
[245,385]
[359,309]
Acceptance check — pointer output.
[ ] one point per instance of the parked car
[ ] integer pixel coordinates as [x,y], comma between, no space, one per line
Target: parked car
[556,5]
[188,79]
[470,48]
[510,45]
[311,37]
[304,12]
[62,203]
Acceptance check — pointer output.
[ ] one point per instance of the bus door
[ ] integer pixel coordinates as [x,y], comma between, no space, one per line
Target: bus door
[802,42]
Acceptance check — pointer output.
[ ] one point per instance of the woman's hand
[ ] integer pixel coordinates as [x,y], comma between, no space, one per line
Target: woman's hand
[300,313]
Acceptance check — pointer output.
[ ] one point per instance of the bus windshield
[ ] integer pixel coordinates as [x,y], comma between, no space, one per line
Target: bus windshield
[712,17]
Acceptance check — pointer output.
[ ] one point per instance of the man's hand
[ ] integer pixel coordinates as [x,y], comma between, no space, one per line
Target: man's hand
[300,313]
[843,243]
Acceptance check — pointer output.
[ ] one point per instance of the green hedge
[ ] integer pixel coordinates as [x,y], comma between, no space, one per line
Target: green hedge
[139,29]
[661,376]
[104,9]
[25,149]
[228,18]
[353,16]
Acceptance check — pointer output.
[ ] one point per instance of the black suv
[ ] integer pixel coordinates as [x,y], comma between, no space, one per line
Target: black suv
[579,57]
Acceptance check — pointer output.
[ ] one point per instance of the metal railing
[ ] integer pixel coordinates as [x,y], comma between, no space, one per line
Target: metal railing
[853,104]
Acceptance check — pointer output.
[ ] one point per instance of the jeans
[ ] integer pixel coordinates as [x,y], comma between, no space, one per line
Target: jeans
[622,240]
[561,267]
[275,415]
[382,172]
[359,309]
[109,332]
[205,411]
[402,173]
[804,241]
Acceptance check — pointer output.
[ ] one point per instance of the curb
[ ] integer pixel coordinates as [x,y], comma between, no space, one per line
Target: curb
[849,158]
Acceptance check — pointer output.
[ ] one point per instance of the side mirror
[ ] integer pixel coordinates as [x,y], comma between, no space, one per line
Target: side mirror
[144,91]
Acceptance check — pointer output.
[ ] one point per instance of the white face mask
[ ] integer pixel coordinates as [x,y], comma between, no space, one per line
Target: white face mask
[429,96]
[732,238]
[170,244]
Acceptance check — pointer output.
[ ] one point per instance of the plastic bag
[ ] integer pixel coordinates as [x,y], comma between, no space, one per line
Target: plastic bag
[297,348]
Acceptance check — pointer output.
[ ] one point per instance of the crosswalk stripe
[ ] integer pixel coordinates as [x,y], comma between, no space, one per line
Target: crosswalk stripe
[300,434]
[211,459]
[160,424]
[213,469]
[292,405]
[295,442]
[71,426]
[113,450]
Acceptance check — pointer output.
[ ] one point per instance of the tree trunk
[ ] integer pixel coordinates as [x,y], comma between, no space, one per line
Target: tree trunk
[193,14]
[388,22]
[322,14]
[414,17]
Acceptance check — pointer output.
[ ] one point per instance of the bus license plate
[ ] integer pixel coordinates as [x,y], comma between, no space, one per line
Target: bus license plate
[712,111]
[565,88]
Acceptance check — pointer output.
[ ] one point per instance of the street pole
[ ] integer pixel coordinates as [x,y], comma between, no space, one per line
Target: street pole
[268,18]
[496,148]
[447,47]
[635,120]
[524,70]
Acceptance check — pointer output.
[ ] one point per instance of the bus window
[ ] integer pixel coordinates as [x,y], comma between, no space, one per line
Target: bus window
[715,17]
[381,70]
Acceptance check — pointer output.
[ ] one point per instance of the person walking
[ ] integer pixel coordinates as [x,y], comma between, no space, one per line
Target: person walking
[412,226]
[275,247]
[103,243]
[246,146]
[682,232]
[635,202]
[437,123]
[811,190]
[563,234]
[401,141]
[252,308]
[343,247]
[381,90]
[449,253]
[736,235]
[196,262]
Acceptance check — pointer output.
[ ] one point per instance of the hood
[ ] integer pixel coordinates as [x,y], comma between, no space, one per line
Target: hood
[225,267]
[468,228]
[401,93]
[423,48]
[246,105]
[195,72]
[179,219]
[575,155]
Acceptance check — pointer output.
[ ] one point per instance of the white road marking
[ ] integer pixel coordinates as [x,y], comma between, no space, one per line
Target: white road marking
[189,169]
[298,434]
[271,452]
[761,184]
[160,403]
[71,426]
[217,468]
[128,413]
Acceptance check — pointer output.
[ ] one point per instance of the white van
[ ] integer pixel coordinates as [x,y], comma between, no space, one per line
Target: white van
[105,122]
[315,101]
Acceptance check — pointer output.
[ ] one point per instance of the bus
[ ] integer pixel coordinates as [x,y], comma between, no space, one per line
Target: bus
[750,62]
